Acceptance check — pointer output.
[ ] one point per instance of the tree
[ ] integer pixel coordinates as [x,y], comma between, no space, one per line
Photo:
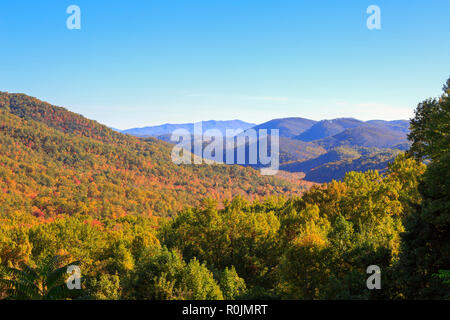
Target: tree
[231,284]
[198,283]
[166,276]
[426,242]
[106,287]
[237,236]
[430,127]
[42,283]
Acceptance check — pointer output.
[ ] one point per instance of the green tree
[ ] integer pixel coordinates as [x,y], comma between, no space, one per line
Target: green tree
[426,242]
[166,276]
[198,282]
[231,284]
[45,282]
[106,287]
[238,235]
[430,127]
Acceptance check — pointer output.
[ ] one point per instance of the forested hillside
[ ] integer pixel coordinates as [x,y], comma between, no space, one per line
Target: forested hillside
[317,245]
[334,164]
[53,161]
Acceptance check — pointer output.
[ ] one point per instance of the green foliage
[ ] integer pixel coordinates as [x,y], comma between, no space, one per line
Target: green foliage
[165,275]
[143,229]
[231,284]
[426,242]
[430,127]
[239,235]
[312,247]
[317,246]
[106,287]
[199,282]
[54,162]
[46,281]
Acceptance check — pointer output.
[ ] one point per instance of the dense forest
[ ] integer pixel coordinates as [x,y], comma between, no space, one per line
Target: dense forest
[53,161]
[74,192]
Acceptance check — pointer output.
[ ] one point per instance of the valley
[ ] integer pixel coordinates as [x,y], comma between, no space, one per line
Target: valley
[321,150]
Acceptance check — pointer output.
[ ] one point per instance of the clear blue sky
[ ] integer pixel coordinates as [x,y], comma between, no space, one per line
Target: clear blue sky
[137,63]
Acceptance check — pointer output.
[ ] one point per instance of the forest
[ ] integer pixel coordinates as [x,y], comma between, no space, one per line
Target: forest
[74,192]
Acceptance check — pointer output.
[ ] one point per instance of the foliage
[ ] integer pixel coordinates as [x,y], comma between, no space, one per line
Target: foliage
[143,228]
[54,162]
[426,242]
[43,282]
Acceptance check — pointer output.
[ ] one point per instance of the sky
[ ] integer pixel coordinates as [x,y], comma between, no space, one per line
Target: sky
[138,63]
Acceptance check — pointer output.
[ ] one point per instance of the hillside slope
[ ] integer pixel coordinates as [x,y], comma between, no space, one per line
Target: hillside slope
[327,128]
[53,161]
[337,162]
[337,170]
[365,136]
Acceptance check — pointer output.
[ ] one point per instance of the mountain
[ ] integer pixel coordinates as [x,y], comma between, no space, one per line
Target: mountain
[319,144]
[167,129]
[324,150]
[327,128]
[289,127]
[53,162]
[338,161]
[374,160]
[290,150]
[396,125]
[334,155]
[351,145]
[365,136]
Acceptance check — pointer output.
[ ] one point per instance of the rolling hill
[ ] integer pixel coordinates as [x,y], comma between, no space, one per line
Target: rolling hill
[334,155]
[337,162]
[337,170]
[365,136]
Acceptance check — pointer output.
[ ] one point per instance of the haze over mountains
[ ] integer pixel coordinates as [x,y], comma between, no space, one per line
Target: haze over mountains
[297,128]
[168,128]
[323,150]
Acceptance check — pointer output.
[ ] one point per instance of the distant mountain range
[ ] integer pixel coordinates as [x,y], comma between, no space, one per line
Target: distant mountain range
[322,150]
[289,127]
[328,128]
[338,161]
[168,128]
